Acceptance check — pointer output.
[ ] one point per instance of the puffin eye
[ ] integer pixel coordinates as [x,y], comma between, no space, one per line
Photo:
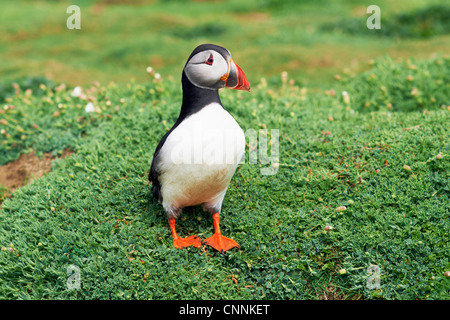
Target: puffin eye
[210,60]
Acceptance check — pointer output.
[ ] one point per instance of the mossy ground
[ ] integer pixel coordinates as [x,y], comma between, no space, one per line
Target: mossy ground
[388,165]
[381,150]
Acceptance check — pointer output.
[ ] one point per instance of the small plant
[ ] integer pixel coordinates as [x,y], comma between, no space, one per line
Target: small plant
[406,85]
[4,192]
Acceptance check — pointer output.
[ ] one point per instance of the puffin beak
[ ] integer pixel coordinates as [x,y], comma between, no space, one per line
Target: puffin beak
[236,78]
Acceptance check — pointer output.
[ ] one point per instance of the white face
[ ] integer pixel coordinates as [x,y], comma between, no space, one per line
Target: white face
[206,68]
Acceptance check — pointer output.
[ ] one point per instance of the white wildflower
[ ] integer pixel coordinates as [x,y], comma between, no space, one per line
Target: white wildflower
[90,107]
[76,92]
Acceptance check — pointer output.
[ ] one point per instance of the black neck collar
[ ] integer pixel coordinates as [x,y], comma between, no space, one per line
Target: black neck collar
[195,98]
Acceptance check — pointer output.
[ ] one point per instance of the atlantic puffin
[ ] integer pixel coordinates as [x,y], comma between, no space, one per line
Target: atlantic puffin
[195,160]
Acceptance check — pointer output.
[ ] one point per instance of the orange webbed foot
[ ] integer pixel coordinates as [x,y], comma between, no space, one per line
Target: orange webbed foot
[182,243]
[220,243]
[217,240]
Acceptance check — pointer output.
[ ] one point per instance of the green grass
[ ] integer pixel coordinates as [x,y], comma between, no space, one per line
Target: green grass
[119,39]
[95,210]
[59,122]
[421,23]
[383,153]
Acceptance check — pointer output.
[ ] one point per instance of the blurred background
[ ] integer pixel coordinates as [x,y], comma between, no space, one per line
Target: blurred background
[313,40]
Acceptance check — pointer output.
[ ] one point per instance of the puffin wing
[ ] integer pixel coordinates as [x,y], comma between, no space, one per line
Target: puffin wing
[155,171]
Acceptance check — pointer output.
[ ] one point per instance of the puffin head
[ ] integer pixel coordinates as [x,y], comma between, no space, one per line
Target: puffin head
[210,67]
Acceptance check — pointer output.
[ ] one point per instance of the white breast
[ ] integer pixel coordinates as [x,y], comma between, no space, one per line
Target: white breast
[200,157]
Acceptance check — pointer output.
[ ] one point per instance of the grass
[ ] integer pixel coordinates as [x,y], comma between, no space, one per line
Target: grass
[387,164]
[118,40]
[56,124]
[381,150]
[421,23]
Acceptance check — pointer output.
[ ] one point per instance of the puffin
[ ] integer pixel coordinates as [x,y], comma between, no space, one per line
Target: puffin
[195,160]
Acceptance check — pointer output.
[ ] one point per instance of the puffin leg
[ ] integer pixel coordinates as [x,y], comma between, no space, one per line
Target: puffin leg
[217,240]
[182,243]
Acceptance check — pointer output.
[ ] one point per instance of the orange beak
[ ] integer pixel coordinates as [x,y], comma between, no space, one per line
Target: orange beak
[236,78]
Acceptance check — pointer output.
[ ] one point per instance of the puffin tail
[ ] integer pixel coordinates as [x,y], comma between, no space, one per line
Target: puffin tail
[156,191]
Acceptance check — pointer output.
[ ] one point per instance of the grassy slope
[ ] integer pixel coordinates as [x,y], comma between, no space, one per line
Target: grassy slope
[95,211]
[117,41]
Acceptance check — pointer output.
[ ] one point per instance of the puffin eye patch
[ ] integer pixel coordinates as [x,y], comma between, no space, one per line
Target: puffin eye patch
[210,60]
